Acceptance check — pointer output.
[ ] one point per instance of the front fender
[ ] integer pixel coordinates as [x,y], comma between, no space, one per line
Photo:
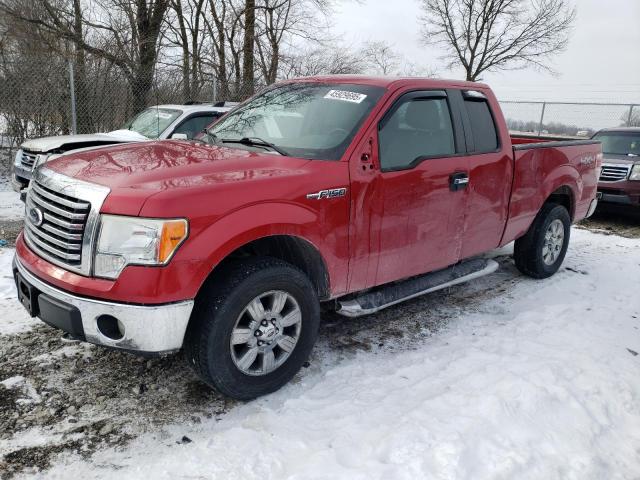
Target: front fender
[212,243]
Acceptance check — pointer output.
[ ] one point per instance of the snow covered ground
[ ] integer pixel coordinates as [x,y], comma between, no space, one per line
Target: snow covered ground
[13,319]
[527,380]
[11,208]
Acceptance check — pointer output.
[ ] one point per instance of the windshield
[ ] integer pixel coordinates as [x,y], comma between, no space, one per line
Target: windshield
[152,121]
[308,120]
[620,143]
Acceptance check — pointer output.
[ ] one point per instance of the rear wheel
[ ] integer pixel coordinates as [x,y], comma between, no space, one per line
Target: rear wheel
[252,328]
[541,251]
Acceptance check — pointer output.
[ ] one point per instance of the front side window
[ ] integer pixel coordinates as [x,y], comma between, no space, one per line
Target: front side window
[195,125]
[307,120]
[419,128]
[619,143]
[153,121]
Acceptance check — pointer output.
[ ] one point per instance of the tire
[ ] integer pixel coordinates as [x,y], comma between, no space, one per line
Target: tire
[225,311]
[530,255]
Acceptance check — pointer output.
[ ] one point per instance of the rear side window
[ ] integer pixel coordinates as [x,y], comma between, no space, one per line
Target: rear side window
[483,128]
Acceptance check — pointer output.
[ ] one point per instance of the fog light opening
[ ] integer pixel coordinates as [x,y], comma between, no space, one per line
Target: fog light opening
[110,327]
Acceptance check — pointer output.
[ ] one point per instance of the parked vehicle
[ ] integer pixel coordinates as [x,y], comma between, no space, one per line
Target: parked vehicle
[161,121]
[355,192]
[620,176]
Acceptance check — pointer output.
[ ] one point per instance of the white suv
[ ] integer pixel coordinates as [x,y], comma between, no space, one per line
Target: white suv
[154,123]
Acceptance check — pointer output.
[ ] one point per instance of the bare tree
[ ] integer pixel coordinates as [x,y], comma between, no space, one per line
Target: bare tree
[186,31]
[632,118]
[125,33]
[282,25]
[489,35]
[248,47]
[381,58]
[328,60]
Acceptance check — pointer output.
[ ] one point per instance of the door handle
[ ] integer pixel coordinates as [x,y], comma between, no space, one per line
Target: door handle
[458,181]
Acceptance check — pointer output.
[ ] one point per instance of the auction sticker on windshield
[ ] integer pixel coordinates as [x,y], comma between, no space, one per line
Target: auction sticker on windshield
[345,96]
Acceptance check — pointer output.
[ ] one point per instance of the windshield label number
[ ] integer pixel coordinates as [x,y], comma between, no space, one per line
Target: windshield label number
[345,96]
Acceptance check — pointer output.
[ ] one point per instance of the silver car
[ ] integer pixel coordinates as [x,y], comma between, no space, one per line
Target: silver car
[154,123]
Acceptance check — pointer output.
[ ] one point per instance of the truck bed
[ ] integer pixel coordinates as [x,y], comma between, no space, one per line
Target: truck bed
[574,164]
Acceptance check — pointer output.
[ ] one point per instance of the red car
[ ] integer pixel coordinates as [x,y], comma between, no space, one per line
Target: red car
[620,177]
[354,192]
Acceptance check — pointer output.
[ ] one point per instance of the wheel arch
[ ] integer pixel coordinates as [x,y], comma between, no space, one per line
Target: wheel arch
[565,196]
[292,249]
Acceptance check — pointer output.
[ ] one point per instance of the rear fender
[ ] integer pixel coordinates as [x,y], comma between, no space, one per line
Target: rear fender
[532,187]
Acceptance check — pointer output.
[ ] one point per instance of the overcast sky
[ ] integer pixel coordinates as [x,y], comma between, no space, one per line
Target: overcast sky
[601,63]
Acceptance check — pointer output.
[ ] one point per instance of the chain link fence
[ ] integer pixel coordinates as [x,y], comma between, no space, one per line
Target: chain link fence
[43,96]
[567,118]
[48,96]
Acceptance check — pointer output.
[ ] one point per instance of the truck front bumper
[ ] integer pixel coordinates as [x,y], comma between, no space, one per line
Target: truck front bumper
[135,328]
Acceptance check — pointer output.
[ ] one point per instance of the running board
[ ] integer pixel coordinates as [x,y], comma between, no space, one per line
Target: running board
[382,297]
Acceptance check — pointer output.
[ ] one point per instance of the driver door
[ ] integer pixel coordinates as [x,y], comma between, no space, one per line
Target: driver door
[417,195]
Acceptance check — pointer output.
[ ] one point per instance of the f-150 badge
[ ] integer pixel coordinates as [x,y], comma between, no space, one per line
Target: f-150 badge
[331,193]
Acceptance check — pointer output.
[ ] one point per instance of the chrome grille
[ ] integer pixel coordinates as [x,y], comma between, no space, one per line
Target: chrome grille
[59,226]
[614,173]
[28,159]
[62,217]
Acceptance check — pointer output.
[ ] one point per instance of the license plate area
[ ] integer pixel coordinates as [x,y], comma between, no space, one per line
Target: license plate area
[27,295]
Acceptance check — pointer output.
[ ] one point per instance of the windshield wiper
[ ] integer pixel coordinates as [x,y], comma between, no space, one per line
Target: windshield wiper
[257,142]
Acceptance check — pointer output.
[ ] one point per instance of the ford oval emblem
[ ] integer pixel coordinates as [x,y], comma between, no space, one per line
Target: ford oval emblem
[36,216]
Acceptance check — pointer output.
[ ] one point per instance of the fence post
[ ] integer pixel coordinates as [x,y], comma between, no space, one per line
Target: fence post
[630,115]
[72,94]
[544,105]
[215,89]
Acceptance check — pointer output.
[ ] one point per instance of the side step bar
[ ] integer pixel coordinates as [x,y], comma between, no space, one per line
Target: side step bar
[382,297]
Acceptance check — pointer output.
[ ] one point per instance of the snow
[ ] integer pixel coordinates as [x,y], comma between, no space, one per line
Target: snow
[13,318]
[127,135]
[11,208]
[12,382]
[538,381]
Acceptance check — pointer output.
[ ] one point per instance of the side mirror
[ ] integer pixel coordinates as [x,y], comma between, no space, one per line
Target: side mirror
[180,136]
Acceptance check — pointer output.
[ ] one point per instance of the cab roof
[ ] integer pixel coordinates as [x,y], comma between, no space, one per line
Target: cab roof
[386,82]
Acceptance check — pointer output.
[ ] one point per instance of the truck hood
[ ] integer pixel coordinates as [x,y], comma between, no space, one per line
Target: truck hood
[49,144]
[136,171]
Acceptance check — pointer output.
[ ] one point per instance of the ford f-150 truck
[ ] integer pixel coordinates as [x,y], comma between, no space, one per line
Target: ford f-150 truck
[352,192]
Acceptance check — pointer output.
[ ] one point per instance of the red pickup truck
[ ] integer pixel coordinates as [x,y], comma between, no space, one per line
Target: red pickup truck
[354,192]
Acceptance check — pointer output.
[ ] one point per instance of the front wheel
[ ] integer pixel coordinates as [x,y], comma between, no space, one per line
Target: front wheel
[541,251]
[253,327]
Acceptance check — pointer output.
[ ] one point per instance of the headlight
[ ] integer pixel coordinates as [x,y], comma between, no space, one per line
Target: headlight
[136,241]
[635,172]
